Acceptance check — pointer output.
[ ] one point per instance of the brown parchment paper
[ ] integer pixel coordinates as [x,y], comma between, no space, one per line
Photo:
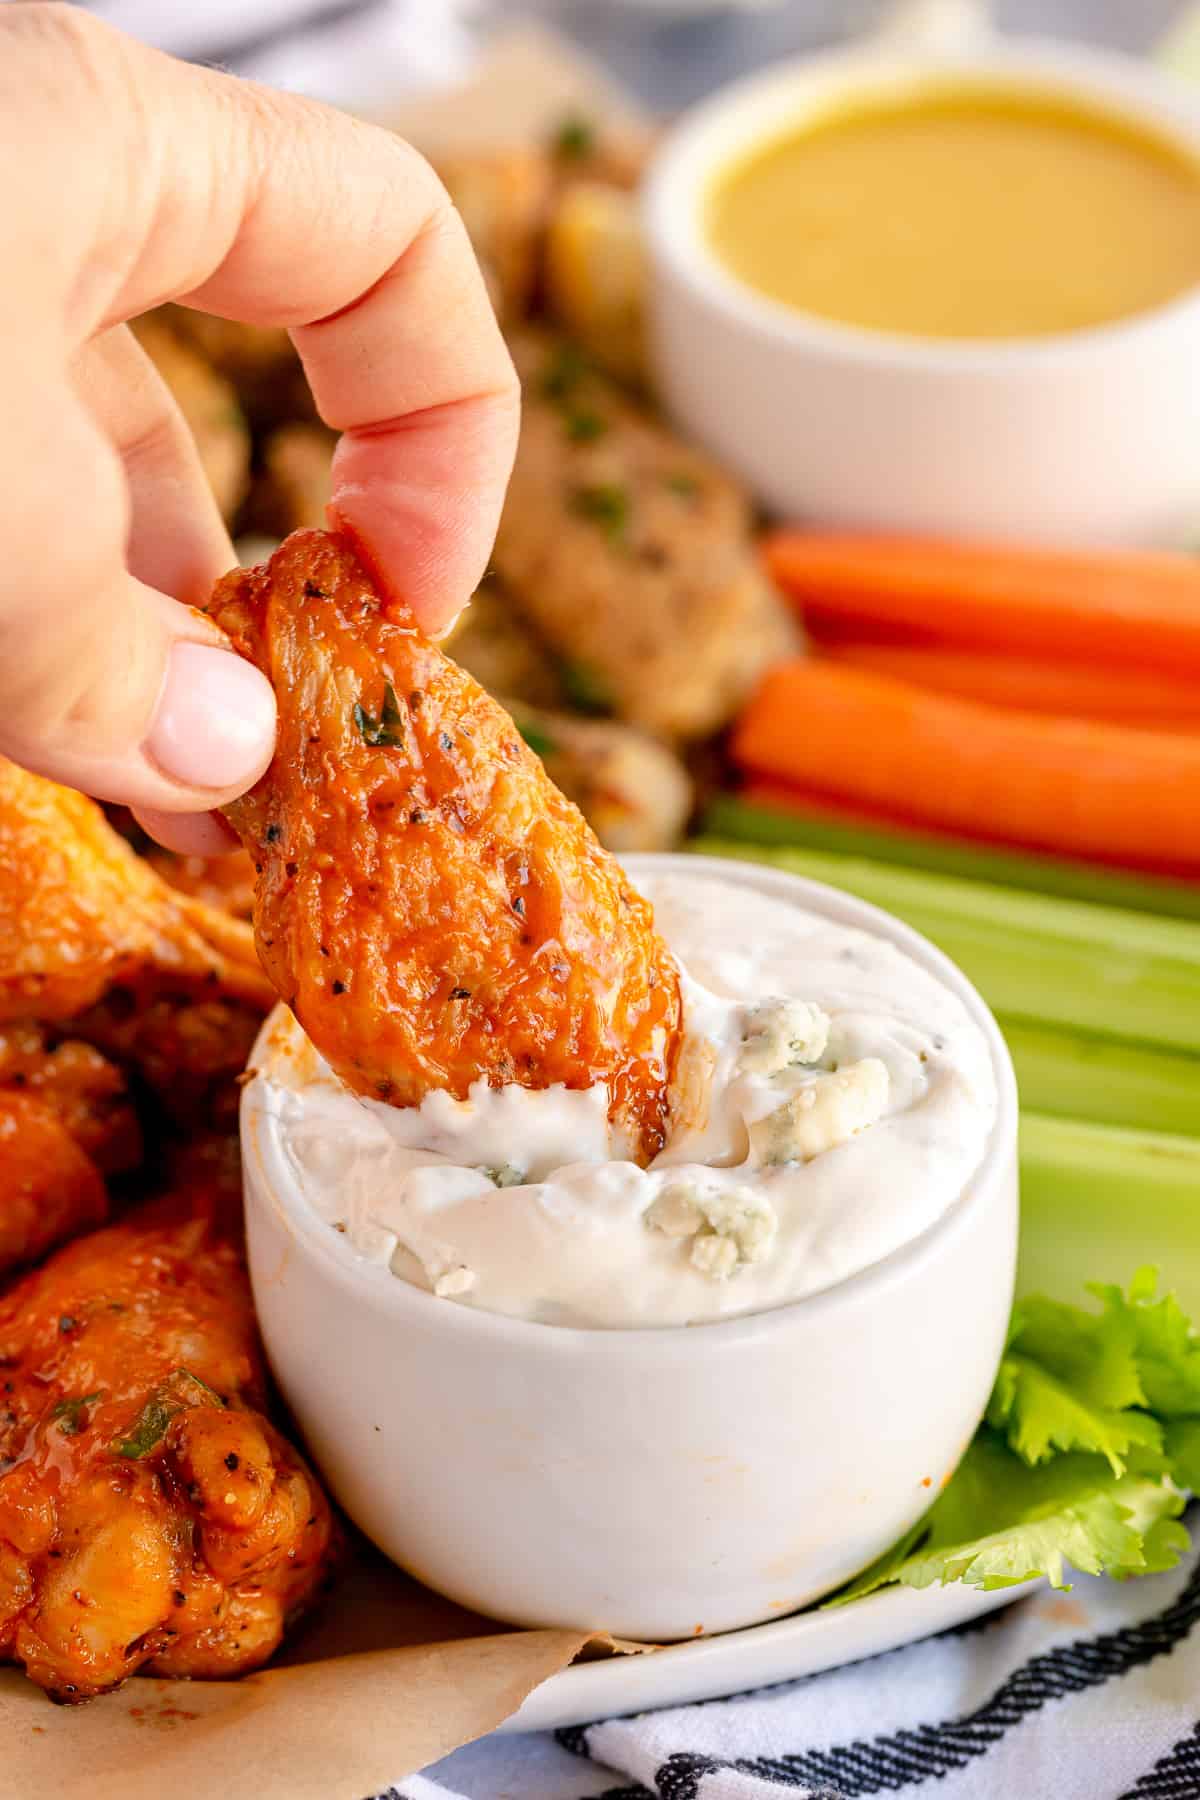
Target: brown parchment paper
[387,1677]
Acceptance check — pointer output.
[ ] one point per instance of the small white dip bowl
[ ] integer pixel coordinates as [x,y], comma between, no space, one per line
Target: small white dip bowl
[1087,437]
[652,1483]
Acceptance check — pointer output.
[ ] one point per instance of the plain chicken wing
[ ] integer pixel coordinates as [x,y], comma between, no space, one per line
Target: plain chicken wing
[432,909]
[631,554]
[150,1516]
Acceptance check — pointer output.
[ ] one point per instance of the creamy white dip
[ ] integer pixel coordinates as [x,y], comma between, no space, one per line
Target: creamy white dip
[832,1100]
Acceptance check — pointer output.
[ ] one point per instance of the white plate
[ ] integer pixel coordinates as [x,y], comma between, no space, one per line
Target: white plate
[805,1644]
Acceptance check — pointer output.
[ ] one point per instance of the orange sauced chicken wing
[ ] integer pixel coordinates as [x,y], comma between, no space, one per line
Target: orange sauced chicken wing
[50,1188]
[226,882]
[90,934]
[150,1516]
[86,1093]
[430,906]
[66,1120]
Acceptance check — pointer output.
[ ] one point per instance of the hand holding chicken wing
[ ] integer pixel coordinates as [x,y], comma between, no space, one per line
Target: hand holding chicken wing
[430,906]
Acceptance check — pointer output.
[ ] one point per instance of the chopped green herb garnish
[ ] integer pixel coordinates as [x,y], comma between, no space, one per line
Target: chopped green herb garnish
[386,731]
[606,504]
[584,426]
[585,688]
[681,483]
[149,1430]
[202,1385]
[68,1412]
[563,372]
[575,138]
[539,741]
[505,1176]
[151,1424]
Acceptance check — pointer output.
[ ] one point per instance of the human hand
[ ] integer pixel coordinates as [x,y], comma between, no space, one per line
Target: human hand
[135,179]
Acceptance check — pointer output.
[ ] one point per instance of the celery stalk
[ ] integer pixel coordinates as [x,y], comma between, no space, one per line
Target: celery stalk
[1075,1075]
[729,817]
[1098,969]
[1097,1202]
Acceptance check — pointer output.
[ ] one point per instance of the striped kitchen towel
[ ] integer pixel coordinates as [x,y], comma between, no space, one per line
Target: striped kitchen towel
[1087,1695]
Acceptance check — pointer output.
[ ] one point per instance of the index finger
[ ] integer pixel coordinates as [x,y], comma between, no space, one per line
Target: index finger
[186,183]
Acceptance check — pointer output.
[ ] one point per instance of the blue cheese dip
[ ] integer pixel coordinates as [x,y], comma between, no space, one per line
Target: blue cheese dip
[831,1100]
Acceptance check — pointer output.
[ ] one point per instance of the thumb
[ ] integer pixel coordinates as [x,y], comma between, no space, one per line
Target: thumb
[107,684]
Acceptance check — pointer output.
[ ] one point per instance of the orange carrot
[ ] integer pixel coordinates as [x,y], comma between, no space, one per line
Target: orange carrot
[1078,788]
[1126,609]
[1072,690]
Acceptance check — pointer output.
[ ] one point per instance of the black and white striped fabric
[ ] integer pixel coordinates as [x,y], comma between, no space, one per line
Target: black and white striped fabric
[1091,1695]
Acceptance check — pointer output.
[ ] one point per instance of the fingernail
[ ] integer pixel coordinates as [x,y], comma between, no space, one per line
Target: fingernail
[215,724]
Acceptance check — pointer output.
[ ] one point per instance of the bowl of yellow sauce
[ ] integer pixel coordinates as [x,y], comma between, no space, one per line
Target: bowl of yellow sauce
[941,294]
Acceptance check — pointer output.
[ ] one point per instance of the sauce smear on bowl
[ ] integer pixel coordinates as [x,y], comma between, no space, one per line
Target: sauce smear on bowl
[963,211]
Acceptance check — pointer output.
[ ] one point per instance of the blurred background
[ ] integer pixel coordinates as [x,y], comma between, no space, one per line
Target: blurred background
[668,52]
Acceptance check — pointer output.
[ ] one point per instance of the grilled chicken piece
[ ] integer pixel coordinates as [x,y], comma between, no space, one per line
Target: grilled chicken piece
[209,403]
[631,555]
[150,1516]
[430,907]
[492,642]
[634,793]
[92,937]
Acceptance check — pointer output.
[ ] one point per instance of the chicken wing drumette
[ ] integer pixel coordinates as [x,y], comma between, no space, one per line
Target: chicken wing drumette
[430,906]
[150,1516]
[92,937]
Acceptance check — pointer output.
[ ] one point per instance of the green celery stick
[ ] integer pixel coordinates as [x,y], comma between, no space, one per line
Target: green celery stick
[1099,969]
[729,817]
[1074,1075]
[1097,1202]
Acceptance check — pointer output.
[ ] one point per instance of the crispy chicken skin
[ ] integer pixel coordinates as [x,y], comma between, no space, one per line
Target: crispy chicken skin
[634,792]
[432,909]
[631,554]
[90,934]
[150,1516]
[492,642]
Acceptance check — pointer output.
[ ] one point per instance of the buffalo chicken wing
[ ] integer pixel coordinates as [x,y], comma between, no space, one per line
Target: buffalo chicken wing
[150,1515]
[429,905]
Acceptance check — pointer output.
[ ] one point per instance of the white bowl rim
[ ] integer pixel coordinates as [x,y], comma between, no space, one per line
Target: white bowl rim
[683,165]
[261,1140]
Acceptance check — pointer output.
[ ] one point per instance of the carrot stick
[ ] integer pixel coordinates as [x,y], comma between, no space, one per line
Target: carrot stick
[1072,690]
[1078,788]
[838,822]
[1124,609]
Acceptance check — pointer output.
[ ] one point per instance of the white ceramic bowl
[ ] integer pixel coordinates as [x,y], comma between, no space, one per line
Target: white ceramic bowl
[654,1483]
[1086,437]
